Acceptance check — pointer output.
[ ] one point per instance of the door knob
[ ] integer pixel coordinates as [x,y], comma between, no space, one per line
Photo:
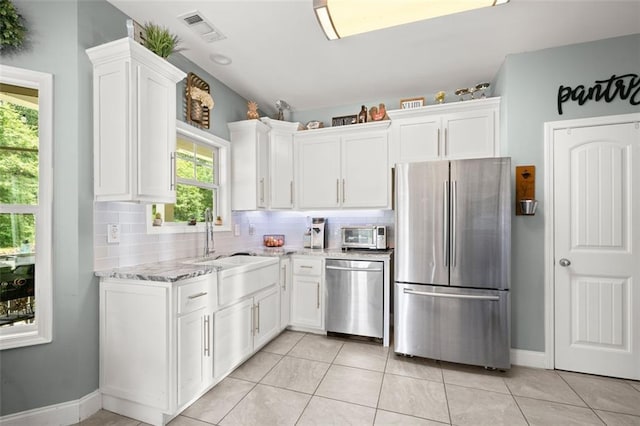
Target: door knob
[564,262]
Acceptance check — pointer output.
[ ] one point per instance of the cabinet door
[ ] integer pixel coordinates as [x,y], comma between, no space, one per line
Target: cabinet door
[111,134]
[156,136]
[266,316]
[281,150]
[285,292]
[319,172]
[134,343]
[262,145]
[417,139]
[469,134]
[366,176]
[193,354]
[306,302]
[233,337]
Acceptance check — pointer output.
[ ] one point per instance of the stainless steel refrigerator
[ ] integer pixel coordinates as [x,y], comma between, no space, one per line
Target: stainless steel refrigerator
[452,261]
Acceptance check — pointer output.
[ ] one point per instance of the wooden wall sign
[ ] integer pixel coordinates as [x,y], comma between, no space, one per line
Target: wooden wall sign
[196,113]
[525,185]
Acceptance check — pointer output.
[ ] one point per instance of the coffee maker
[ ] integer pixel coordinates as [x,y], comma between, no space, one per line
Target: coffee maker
[318,234]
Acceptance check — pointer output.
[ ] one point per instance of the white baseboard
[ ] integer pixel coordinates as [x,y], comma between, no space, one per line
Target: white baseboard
[526,358]
[65,413]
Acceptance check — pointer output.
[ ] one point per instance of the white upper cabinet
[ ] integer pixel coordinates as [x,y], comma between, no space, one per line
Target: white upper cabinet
[456,130]
[262,164]
[344,167]
[249,164]
[134,103]
[281,162]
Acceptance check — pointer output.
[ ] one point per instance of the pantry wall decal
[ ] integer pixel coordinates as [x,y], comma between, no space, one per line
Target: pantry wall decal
[626,86]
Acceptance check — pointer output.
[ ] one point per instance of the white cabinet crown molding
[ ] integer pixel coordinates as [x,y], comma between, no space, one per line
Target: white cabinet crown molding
[287,126]
[455,106]
[126,48]
[345,130]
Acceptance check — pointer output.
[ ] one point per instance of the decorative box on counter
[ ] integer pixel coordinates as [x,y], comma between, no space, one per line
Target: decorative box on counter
[273,240]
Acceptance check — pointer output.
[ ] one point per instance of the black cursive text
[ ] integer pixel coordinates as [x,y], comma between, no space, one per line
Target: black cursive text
[625,86]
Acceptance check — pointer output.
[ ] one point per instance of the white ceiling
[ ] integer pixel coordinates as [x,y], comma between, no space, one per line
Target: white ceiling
[279,51]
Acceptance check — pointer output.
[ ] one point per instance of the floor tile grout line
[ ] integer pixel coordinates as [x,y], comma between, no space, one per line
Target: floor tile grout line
[239,401]
[524,416]
[574,391]
[386,361]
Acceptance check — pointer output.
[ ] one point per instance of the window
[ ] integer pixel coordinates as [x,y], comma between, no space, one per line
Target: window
[26,105]
[201,180]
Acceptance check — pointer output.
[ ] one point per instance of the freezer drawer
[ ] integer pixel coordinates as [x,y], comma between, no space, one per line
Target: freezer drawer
[467,326]
[355,297]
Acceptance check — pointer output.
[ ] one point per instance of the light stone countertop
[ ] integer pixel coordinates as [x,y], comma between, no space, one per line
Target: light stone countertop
[182,269]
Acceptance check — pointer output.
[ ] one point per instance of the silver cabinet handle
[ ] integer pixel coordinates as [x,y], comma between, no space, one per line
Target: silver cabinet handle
[564,262]
[446,142]
[344,195]
[258,318]
[438,142]
[284,280]
[207,339]
[337,191]
[262,190]
[195,296]
[172,168]
[445,225]
[291,192]
[306,266]
[318,295]
[452,296]
[253,320]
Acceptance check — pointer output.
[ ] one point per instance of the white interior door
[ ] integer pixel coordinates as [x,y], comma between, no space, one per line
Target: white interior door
[597,249]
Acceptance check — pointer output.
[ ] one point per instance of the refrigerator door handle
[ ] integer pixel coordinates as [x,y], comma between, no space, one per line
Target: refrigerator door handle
[445,222]
[454,213]
[451,296]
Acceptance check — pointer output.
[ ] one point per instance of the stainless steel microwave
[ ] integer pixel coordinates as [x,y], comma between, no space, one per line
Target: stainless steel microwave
[372,237]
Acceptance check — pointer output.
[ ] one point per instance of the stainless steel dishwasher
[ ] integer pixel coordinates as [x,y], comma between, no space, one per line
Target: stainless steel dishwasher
[355,297]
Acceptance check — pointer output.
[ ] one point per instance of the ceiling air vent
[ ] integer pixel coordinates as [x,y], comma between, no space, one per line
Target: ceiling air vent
[201,26]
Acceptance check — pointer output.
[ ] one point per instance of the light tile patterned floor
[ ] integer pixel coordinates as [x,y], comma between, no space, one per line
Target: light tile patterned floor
[304,379]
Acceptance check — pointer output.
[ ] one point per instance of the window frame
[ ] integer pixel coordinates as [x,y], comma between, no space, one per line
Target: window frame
[193,134]
[41,331]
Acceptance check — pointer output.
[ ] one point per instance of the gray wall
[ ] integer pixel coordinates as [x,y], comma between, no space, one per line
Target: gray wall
[59,32]
[528,84]
[66,368]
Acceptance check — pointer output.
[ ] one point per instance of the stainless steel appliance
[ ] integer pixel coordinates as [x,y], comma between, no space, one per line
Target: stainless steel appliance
[452,261]
[372,237]
[355,297]
[318,235]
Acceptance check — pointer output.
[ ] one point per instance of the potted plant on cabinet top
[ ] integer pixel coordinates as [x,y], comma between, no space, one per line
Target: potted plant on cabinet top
[159,40]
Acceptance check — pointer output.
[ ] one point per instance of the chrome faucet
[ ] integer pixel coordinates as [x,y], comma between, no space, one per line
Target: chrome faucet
[208,232]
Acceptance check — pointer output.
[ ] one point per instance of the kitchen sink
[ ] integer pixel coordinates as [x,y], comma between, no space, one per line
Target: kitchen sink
[242,275]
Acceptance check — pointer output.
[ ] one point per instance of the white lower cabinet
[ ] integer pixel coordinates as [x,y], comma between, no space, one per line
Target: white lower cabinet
[232,336]
[307,294]
[243,327]
[155,345]
[194,354]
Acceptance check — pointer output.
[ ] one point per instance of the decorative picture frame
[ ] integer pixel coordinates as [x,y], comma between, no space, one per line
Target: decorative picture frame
[412,103]
[196,113]
[345,120]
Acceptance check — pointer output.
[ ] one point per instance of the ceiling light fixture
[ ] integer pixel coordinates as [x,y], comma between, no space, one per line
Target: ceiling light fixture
[343,18]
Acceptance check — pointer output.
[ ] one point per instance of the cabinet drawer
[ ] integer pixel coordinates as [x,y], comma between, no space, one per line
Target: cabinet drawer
[193,296]
[307,267]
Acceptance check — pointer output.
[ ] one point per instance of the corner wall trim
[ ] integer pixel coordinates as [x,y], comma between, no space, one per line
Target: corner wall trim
[526,358]
[65,413]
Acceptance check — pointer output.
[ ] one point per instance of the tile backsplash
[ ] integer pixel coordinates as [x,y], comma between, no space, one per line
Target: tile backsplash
[136,246]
